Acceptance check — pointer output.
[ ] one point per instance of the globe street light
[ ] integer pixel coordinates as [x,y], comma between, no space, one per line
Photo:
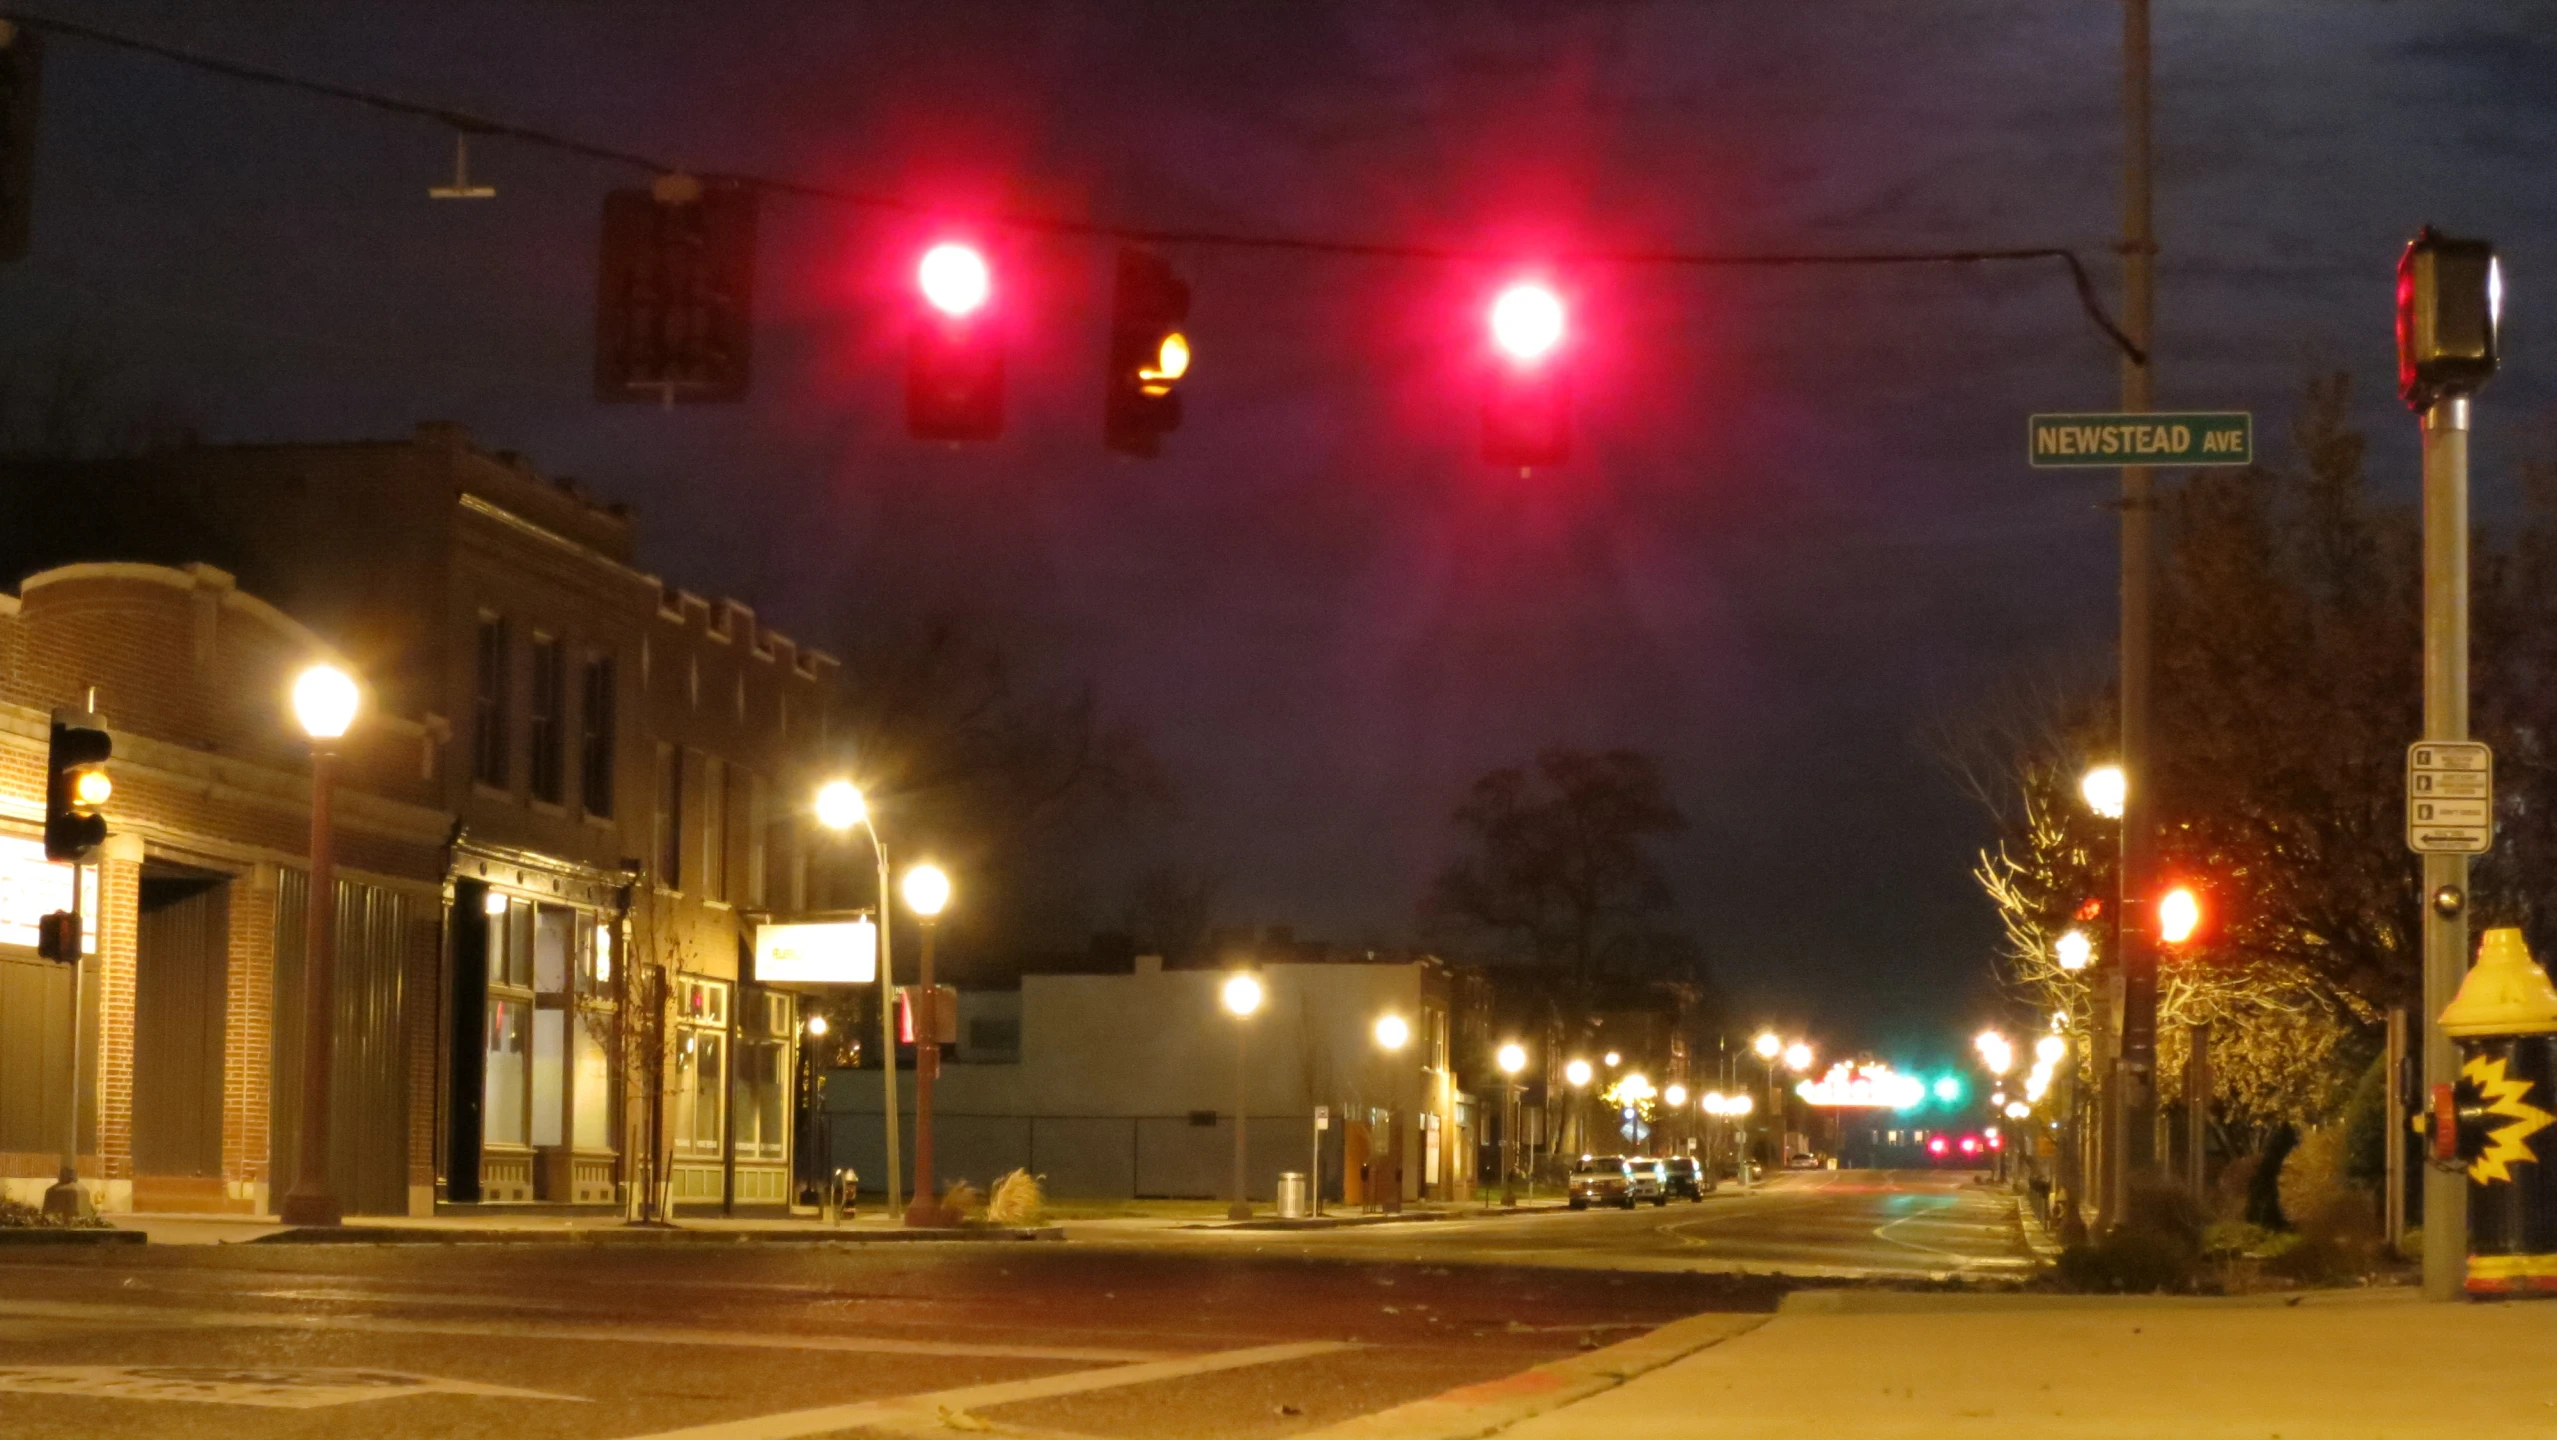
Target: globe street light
[1576,1074]
[1242,996]
[325,700]
[1392,1033]
[1513,1058]
[840,806]
[2073,950]
[2105,789]
[927,892]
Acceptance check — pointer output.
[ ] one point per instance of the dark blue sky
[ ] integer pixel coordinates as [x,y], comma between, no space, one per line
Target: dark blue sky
[1799,522]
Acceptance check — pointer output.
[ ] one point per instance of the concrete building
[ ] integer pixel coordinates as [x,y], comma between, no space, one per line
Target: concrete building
[1127,1084]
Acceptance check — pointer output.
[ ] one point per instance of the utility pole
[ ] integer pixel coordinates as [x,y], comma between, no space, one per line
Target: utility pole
[2132,1142]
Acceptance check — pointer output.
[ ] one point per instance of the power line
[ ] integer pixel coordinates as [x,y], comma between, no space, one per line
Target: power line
[1064,227]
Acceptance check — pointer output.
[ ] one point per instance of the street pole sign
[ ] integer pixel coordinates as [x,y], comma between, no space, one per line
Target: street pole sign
[2105,442]
[2450,797]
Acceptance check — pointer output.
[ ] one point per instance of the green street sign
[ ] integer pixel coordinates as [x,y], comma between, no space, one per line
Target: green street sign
[2106,442]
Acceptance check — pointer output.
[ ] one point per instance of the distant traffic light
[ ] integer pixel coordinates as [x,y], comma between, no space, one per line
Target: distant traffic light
[1527,410]
[76,787]
[674,293]
[954,365]
[21,73]
[2450,304]
[1149,353]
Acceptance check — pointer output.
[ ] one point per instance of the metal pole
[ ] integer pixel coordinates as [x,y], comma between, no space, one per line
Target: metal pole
[926,1209]
[2445,718]
[1241,1206]
[2393,1135]
[2136,1108]
[66,1196]
[311,1202]
[2197,1113]
[1509,1150]
[887,1030]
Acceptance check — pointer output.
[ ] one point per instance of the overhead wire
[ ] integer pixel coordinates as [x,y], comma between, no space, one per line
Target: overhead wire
[1067,227]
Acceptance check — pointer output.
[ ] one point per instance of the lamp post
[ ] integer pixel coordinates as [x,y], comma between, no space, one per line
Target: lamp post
[1513,1058]
[1768,1049]
[927,892]
[1736,1108]
[324,704]
[1673,1102]
[1393,1032]
[840,806]
[2107,792]
[1242,997]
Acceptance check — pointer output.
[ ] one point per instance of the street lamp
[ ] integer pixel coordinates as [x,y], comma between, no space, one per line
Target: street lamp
[927,892]
[1577,1074]
[2105,789]
[1242,996]
[1513,1058]
[1798,1057]
[2073,950]
[1392,1033]
[325,700]
[840,807]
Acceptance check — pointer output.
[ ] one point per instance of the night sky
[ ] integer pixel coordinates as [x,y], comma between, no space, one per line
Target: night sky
[1799,525]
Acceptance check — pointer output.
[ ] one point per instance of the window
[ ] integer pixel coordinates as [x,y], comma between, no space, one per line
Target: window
[595,738]
[714,829]
[503,1097]
[489,720]
[701,1050]
[670,817]
[545,719]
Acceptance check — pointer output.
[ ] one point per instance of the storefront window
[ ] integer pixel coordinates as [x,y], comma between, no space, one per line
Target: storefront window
[706,1093]
[550,1074]
[701,1055]
[503,1110]
[554,942]
[594,1123]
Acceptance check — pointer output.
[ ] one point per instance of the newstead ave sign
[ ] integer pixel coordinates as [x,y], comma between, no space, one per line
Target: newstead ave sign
[2103,442]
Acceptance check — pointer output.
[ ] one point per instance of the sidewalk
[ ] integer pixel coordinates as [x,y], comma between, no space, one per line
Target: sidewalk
[1875,1364]
[538,1227]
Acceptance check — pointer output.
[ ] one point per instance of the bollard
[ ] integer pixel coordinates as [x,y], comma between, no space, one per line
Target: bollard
[2505,1020]
[1292,1191]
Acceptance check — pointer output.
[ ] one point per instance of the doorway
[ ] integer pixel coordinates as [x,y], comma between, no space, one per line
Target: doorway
[181,986]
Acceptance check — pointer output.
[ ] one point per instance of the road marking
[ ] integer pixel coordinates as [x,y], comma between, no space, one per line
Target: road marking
[942,1411]
[267,1387]
[610,1334]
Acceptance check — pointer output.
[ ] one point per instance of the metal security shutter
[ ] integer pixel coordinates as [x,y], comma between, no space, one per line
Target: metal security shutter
[368,1140]
[181,971]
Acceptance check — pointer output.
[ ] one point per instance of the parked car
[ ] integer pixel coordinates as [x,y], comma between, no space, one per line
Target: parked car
[1646,1178]
[1685,1178]
[1602,1180]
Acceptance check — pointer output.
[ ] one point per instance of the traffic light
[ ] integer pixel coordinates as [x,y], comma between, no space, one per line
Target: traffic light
[76,786]
[674,294]
[21,70]
[2450,302]
[1527,411]
[2179,915]
[1149,353]
[954,366]
[58,936]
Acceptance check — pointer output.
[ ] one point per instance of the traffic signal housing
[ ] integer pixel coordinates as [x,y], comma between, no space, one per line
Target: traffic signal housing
[77,787]
[1527,408]
[1149,353]
[674,293]
[21,71]
[2450,301]
[954,361]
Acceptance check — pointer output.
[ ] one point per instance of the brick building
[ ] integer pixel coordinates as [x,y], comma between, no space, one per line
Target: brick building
[190,993]
[622,764]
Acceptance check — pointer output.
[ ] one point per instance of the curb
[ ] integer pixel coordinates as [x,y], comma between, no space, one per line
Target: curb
[57,1235]
[1407,1217]
[1494,1405]
[601,1236]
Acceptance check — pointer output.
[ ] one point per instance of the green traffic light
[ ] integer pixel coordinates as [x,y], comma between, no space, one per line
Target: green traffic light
[1948,1088]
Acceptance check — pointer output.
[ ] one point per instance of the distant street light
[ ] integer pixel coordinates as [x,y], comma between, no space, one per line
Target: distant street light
[1767,1045]
[840,806]
[1392,1033]
[1577,1074]
[325,699]
[2105,789]
[1614,1059]
[1513,1058]
[1798,1057]
[2073,950]
[1675,1097]
[1997,1056]
[1242,996]
[817,1026]
[927,892]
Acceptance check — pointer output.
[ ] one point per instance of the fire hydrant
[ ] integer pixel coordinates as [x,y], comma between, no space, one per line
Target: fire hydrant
[2500,1114]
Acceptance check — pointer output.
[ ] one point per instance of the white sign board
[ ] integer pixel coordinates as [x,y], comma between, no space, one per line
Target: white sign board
[2450,797]
[817,952]
[32,887]
[1322,1117]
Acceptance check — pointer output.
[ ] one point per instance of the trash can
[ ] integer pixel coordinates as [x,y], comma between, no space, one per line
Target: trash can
[2505,1020]
[1292,1203]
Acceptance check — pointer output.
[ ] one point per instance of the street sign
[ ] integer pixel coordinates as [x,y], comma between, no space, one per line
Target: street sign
[2450,797]
[817,952]
[1322,1117]
[2106,442]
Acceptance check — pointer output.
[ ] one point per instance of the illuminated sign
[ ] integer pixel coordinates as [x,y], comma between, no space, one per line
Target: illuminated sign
[818,952]
[1869,1087]
[32,887]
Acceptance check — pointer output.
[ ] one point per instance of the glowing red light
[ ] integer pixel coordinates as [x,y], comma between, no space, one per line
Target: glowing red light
[1997,1142]
[1527,321]
[954,278]
[1936,1146]
[1970,1144]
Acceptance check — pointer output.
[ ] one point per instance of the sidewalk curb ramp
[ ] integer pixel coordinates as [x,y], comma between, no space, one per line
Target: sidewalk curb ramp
[1472,1411]
[639,1235]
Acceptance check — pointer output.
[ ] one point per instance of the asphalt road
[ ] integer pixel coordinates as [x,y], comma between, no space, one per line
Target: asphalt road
[1186,1334]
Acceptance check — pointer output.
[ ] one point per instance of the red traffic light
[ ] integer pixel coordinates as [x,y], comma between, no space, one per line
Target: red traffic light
[1527,407]
[1527,322]
[954,366]
[2179,915]
[955,279]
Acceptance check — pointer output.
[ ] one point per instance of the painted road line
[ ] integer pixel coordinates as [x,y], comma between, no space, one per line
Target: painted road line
[609,1334]
[944,1407]
[269,1387]
[1494,1405]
